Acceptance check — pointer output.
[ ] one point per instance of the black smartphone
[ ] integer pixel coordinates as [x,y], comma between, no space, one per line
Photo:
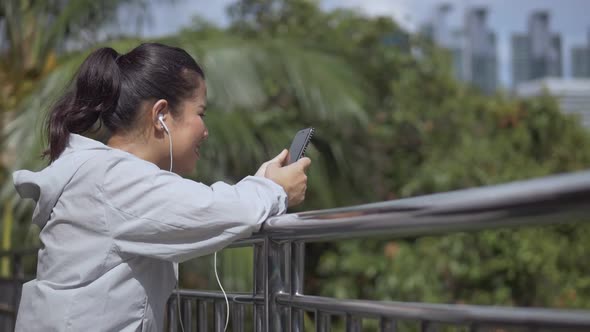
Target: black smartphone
[299,144]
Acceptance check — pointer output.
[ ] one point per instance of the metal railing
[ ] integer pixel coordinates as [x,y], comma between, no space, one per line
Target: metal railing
[10,288]
[278,302]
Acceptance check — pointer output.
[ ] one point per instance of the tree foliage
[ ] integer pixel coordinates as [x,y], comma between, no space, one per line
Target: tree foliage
[428,133]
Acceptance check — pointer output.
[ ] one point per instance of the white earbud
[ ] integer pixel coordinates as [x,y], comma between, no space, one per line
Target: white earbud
[161,119]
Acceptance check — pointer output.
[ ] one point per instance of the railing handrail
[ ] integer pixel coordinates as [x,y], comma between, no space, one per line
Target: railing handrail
[430,214]
[278,298]
[437,312]
[441,313]
[542,200]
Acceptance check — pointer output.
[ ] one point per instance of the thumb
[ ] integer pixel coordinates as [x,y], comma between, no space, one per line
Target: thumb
[304,162]
[280,158]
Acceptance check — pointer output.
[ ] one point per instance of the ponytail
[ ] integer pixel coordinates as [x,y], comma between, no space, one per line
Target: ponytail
[95,93]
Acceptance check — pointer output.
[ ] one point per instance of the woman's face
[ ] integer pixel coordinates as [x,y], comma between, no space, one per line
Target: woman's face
[188,131]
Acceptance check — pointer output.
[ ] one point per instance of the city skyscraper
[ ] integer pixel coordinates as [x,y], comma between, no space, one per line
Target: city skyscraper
[480,65]
[438,30]
[521,68]
[536,54]
[581,60]
[472,48]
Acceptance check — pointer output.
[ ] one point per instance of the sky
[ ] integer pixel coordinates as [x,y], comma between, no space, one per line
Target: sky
[570,18]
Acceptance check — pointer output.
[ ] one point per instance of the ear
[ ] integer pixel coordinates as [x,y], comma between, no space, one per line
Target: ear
[160,107]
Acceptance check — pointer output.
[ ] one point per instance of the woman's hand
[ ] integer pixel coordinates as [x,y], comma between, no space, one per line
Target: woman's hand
[292,177]
[281,158]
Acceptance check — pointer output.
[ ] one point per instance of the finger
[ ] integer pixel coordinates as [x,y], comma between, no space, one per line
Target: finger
[304,163]
[281,157]
[262,169]
[287,159]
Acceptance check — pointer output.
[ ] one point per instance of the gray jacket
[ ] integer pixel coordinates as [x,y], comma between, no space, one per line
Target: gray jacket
[111,227]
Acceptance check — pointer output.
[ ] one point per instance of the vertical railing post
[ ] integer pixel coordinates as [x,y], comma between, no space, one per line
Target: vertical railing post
[297,275]
[238,318]
[322,322]
[387,325]
[353,324]
[260,286]
[284,272]
[278,280]
[202,318]
[219,316]
[172,314]
[187,314]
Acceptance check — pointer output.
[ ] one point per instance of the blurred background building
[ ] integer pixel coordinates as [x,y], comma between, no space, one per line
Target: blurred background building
[473,47]
[581,60]
[573,95]
[480,65]
[536,54]
[438,30]
[536,57]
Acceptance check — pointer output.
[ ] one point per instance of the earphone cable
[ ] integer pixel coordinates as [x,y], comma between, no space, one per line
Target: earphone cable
[178,301]
[171,159]
[177,266]
[214,259]
[222,290]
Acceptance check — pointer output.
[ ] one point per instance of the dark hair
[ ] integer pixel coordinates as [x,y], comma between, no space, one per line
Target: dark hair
[110,87]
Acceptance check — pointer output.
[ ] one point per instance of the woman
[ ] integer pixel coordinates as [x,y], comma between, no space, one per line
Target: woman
[114,218]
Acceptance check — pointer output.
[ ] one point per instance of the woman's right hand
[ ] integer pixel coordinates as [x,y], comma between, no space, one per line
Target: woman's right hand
[292,177]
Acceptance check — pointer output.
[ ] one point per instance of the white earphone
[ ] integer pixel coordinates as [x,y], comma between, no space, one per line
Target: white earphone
[161,119]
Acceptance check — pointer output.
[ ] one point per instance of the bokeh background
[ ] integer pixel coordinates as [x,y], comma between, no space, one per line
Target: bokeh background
[407,97]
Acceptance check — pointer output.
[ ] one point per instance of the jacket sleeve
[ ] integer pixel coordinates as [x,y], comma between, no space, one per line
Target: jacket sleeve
[159,214]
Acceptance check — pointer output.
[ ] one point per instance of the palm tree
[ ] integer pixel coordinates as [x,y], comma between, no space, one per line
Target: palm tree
[260,93]
[33,32]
